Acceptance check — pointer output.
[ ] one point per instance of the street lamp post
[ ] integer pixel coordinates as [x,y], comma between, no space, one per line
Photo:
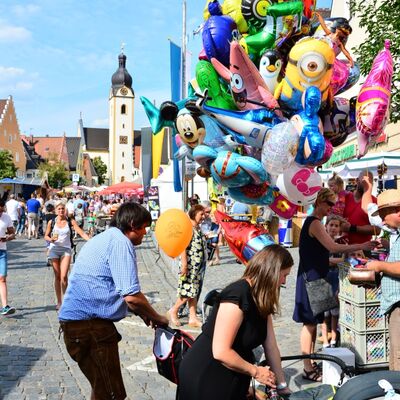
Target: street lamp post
[382,169]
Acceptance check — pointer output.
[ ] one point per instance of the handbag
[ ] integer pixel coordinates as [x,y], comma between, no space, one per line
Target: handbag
[320,295]
[169,348]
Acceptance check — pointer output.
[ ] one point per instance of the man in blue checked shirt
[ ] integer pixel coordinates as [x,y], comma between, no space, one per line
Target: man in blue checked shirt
[102,287]
[389,211]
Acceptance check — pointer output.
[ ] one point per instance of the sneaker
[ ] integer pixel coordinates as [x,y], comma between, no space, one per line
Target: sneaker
[7,310]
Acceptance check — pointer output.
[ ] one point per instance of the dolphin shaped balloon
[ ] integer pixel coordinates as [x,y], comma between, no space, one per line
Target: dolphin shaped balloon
[247,127]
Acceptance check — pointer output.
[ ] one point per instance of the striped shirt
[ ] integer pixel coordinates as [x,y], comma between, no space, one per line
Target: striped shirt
[391,285]
[104,272]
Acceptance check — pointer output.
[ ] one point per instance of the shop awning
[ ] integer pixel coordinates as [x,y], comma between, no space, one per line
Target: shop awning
[40,182]
[352,168]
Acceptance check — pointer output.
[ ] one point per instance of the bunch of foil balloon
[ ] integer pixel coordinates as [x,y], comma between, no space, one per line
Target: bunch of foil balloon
[266,105]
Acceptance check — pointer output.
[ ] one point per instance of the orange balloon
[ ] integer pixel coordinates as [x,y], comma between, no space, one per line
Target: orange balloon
[173,231]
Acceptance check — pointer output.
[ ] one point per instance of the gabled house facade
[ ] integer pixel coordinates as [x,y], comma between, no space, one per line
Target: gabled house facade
[10,138]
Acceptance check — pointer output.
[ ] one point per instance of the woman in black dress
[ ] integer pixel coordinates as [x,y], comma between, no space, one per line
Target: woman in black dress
[221,362]
[314,248]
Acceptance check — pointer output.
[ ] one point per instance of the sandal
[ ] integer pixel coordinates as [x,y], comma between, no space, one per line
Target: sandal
[312,375]
[317,366]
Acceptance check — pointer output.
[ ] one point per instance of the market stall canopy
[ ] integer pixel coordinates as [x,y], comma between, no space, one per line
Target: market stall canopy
[40,182]
[120,188]
[352,168]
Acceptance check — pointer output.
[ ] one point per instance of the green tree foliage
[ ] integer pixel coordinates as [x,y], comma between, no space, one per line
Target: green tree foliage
[101,169]
[380,20]
[7,167]
[56,171]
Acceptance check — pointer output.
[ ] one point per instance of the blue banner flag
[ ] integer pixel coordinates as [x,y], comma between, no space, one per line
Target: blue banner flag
[176,74]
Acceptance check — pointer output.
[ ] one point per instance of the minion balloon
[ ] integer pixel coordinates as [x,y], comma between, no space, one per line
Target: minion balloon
[310,63]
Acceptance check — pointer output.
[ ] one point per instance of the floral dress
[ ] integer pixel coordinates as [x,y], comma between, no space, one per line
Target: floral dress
[190,284]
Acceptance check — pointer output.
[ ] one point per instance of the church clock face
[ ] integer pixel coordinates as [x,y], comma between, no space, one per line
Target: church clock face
[123,140]
[124,91]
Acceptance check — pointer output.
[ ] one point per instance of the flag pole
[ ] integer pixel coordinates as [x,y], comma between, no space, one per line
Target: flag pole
[183,93]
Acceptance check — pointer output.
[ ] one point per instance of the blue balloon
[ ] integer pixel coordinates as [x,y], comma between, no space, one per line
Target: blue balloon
[218,32]
[246,127]
[312,143]
[230,169]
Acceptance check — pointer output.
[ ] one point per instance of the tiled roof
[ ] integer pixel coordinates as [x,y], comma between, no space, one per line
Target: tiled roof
[32,158]
[96,138]
[73,147]
[49,145]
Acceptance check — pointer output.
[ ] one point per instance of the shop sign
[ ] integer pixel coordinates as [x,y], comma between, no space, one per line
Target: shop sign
[339,156]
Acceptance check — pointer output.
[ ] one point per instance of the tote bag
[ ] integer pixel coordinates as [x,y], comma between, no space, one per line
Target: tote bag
[320,295]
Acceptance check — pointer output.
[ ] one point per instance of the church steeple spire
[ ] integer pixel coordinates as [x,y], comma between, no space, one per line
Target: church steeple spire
[121,76]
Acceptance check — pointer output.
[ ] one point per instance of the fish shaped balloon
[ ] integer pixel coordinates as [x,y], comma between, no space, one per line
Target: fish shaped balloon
[243,238]
[373,101]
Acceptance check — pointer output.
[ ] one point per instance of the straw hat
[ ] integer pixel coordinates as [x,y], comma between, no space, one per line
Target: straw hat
[388,198]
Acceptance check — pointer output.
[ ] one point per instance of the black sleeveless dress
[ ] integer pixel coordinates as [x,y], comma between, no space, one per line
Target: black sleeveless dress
[202,377]
[314,262]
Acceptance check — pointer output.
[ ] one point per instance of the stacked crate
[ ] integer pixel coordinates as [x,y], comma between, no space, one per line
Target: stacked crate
[363,328]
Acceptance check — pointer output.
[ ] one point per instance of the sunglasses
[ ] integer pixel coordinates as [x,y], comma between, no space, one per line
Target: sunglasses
[330,203]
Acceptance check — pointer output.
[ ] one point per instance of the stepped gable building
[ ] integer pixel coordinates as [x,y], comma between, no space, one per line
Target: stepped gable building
[10,138]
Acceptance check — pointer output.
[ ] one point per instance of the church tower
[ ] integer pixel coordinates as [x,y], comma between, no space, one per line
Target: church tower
[121,131]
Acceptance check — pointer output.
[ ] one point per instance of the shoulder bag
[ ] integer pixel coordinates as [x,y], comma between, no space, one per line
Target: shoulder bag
[320,295]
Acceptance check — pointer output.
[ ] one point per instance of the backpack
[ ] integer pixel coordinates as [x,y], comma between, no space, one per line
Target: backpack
[169,348]
[71,232]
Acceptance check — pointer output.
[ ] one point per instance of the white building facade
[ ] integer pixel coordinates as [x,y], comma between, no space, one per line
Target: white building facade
[121,125]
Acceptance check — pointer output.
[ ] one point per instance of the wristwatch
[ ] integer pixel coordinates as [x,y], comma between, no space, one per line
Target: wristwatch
[281,386]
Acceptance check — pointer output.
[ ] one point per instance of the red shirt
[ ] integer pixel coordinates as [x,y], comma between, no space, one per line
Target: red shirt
[356,216]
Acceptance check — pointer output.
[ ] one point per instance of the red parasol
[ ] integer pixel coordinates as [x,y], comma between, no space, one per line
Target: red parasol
[120,188]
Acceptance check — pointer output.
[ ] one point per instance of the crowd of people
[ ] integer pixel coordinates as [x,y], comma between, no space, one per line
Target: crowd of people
[104,283]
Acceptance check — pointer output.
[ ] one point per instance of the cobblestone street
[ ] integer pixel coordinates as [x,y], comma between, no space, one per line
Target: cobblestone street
[34,364]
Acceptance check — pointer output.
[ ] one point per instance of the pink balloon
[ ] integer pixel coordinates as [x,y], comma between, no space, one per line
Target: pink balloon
[340,75]
[373,101]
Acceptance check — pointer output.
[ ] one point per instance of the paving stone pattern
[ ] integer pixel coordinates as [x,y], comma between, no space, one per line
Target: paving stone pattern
[33,362]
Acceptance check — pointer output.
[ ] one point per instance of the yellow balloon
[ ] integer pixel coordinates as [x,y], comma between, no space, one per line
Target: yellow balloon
[174,232]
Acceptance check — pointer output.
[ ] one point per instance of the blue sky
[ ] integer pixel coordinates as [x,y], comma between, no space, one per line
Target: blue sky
[58,56]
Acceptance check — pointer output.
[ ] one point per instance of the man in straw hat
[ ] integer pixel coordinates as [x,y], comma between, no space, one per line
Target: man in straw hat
[389,211]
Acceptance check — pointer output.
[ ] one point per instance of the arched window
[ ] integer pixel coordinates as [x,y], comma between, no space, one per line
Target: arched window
[123,109]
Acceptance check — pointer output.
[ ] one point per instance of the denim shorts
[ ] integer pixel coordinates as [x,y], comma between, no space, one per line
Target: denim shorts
[59,252]
[93,344]
[3,262]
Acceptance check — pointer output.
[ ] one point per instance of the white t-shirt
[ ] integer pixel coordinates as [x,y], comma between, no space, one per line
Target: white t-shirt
[70,207]
[5,222]
[12,209]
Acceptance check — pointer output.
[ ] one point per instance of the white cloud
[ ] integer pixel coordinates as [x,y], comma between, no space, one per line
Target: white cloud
[100,123]
[7,73]
[25,10]
[10,33]
[23,86]
[16,80]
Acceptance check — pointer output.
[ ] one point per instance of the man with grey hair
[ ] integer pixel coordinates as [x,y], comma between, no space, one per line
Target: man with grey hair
[358,227]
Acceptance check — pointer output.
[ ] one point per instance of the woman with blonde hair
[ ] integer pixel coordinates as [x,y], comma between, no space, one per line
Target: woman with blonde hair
[220,364]
[314,248]
[59,234]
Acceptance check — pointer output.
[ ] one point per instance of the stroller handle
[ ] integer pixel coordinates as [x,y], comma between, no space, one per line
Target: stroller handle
[346,369]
